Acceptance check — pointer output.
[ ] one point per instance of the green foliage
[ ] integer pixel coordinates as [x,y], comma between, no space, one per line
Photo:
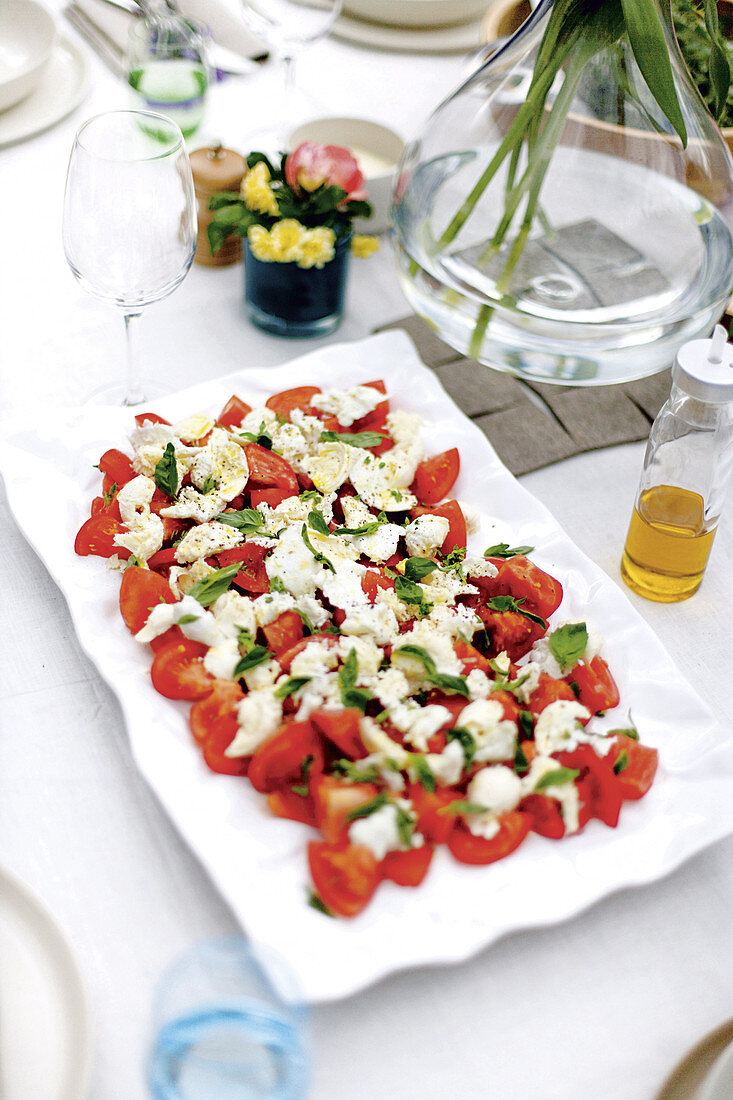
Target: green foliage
[701,58]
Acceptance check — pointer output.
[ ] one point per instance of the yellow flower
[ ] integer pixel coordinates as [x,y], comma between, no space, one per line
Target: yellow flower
[260,243]
[363,246]
[316,247]
[287,237]
[256,191]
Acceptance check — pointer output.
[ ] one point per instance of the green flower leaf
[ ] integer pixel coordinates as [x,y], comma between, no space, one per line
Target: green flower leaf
[247,520]
[646,35]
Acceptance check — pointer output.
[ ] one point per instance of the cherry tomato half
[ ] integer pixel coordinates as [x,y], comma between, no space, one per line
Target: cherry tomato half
[345,876]
[178,671]
[140,592]
[436,476]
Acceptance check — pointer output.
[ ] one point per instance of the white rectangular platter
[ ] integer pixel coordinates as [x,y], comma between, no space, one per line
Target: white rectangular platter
[258,862]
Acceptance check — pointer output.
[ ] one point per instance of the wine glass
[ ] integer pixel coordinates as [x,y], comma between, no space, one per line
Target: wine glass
[129,226]
[288,26]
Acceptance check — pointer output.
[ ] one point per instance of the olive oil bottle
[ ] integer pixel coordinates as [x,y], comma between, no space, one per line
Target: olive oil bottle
[688,459]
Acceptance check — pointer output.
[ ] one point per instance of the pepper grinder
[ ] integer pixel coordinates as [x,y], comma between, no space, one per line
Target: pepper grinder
[215,169]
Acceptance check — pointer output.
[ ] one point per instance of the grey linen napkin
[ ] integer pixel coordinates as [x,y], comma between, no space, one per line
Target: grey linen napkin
[532,424]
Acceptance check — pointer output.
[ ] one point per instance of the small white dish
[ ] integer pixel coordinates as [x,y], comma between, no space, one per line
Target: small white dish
[380,36]
[378,151]
[62,87]
[416,13]
[45,1037]
[27,36]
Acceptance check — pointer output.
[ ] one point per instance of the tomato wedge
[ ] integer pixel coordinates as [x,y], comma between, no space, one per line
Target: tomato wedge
[280,760]
[335,800]
[639,766]
[273,497]
[178,671]
[436,476]
[522,579]
[153,418]
[450,510]
[341,728]
[544,815]
[467,848]
[116,466]
[345,876]
[97,536]
[286,659]
[429,806]
[299,397]
[597,688]
[140,592]
[252,577]
[216,712]
[549,691]
[234,412]
[295,807]
[268,470]
[284,632]
[407,868]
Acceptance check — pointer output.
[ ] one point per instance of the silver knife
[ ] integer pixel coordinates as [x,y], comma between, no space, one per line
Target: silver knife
[226,62]
[107,50]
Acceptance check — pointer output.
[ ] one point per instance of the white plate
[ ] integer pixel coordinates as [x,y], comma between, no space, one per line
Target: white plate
[45,1033]
[458,39]
[258,861]
[61,88]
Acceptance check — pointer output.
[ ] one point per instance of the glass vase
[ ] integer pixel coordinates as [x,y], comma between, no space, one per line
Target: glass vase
[592,260]
[288,300]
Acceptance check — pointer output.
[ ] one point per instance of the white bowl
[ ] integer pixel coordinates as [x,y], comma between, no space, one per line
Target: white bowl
[27,36]
[416,13]
[378,151]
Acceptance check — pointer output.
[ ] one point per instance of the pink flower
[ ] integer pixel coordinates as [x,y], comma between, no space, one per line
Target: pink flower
[311,165]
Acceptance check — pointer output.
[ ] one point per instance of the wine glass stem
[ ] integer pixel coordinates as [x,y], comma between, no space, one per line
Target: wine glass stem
[134,393]
[288,112]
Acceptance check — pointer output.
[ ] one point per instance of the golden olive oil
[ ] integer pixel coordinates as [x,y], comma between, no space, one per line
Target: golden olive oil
[667,546]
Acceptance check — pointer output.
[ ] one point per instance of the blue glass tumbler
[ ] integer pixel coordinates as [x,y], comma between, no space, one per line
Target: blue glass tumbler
[228,1026]
[288,300]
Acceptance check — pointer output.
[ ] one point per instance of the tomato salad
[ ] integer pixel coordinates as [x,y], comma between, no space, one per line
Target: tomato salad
[302,578]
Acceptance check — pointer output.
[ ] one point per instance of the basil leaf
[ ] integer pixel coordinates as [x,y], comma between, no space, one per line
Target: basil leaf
[460,806]
[365,529]
[318,523]
[631,733]
[405,826]
[316,903]
[503,550]
[468,742]
[417,568]
[351,695]
[290,686]
[368,808]
[357,439]
[256,656]
[302,788]
[110,496]
[216,584]
[568,643]
[621,762]
[248,520]
[409,592]
[310,629]
[165,474]
[521,764]
[423,774]
[525,722]
[556,778]
[208,486]
[321,558]
[509,603]
[447,683]
[187,619]
[276,585]
[349,770]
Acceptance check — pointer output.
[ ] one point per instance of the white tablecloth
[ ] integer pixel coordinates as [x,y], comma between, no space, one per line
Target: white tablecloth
[601,1006]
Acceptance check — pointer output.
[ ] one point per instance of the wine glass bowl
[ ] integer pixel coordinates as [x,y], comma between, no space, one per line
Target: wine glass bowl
[129,226]
[288,27]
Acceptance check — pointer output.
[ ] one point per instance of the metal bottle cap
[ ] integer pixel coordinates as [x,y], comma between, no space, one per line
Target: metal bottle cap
[704,368]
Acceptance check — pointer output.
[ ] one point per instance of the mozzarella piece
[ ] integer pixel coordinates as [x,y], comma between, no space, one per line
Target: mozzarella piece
[499,790]
[258,715]
[558,729]
[328,468]
[143,539]
[418,723]
[447,766]
[224,461]
[494,735]
[207,539]
[193,428]
[378,832]
[190,504]
[425,535]
[375,621]
[134,498]
[221,659]
[567,794]
[348,405]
